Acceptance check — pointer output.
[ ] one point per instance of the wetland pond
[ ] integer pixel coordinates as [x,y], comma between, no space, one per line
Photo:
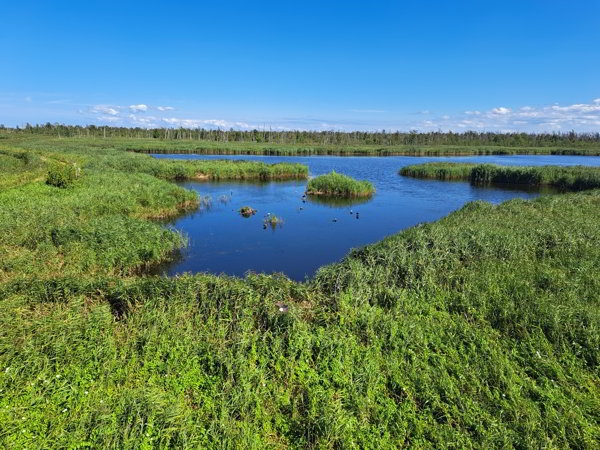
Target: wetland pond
[319,232]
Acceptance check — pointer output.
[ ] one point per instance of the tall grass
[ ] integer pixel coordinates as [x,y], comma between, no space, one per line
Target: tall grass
[201,170]
[481,330]
[18,166]
[99,226]
[421,148]
[338,185]
[573,178]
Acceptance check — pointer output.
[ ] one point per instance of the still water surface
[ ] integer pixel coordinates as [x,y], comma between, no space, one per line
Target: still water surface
[317,233]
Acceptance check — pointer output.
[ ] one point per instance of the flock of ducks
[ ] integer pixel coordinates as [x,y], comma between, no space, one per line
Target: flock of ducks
[356,214]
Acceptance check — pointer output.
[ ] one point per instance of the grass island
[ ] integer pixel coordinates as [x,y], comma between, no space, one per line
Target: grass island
[336,184]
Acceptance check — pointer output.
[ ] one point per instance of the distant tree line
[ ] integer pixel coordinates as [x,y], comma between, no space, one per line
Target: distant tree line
[379,138]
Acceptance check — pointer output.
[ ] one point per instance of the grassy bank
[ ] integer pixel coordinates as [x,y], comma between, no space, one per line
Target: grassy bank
[197,139]
[160,146]
[101,154]
[99,225]
[572,178]
[250,148]
[481,330]
[338,185]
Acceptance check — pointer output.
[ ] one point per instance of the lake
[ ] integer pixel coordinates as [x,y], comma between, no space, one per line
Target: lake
[316,233]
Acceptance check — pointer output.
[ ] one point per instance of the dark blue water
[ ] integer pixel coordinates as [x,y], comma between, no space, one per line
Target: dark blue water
[315,233]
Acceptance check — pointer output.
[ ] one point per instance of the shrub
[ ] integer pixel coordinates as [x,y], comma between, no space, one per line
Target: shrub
[63,176]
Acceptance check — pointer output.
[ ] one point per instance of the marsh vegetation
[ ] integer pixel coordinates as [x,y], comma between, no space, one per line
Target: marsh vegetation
[273,221]
[575,178]
[268,142]
[339,185]
[477,331]
[247,211]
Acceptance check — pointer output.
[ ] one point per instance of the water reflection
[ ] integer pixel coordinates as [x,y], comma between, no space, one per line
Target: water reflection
[337,202]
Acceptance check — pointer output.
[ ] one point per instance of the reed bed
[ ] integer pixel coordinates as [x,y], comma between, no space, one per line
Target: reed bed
[570,178]
[338,185]
[351,148]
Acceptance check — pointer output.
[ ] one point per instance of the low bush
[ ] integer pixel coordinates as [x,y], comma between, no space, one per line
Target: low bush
[63,176]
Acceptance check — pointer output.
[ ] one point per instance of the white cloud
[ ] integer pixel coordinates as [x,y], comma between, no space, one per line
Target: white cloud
[577,108]
[207,123]
[582,117]
[501,110]
[105,109]
[137,108]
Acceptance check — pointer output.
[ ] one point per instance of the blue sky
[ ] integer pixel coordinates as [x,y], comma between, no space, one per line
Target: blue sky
[424,65]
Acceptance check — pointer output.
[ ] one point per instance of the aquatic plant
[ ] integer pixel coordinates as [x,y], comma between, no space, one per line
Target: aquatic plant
[338,185]
[273,221]
[568,178]
[247,211]
[439,171]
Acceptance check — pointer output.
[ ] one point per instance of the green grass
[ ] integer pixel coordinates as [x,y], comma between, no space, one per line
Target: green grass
[338,185]
[571,178]
[481,330]
[249,148]
[98,154]
[97,226]
[351,148]
[82,209]
[446,171]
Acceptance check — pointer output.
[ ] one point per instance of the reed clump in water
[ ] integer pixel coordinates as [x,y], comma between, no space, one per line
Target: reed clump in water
[273,221]
[247,211]
[338,185]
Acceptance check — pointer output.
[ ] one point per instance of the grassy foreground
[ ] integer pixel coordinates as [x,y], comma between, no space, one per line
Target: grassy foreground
[338,185]
[573,178]
[481,330]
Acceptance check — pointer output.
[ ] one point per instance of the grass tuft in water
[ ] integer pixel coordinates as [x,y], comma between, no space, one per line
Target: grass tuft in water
[273,221]
[247,211]
[338,185]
